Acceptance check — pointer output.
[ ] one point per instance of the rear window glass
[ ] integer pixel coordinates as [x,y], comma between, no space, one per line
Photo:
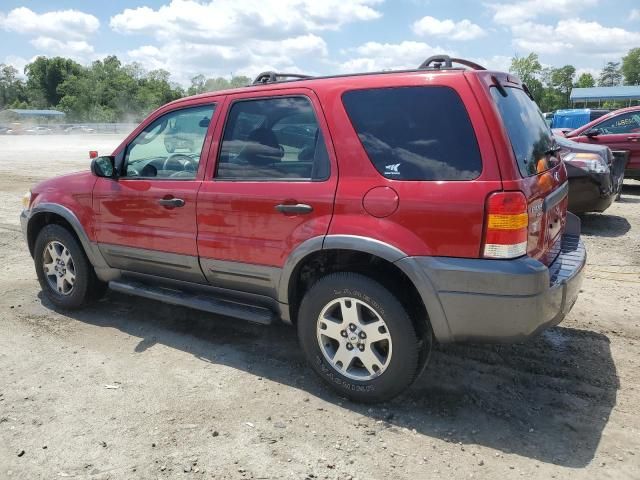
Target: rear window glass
[529,134]
[415,133]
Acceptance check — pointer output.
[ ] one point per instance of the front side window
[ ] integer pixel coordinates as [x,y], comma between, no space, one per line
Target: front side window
[415,133]
[273,139]
[625,123]
[170,147]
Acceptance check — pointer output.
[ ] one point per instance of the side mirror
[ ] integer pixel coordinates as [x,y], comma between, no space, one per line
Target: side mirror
[104,167]
[594,132]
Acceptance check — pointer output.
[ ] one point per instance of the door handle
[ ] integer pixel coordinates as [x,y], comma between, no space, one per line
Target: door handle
[171,202]
[289,209]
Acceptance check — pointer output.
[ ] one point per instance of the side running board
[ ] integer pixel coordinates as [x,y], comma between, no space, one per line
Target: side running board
[195,300]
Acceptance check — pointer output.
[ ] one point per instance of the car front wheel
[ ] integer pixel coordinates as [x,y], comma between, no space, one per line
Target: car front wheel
[358,337]
[64,272]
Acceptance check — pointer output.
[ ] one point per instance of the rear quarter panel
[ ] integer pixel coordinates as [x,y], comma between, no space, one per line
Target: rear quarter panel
[443,218]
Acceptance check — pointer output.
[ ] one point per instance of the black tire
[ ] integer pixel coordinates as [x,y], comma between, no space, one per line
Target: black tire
[86,287]
[408,353]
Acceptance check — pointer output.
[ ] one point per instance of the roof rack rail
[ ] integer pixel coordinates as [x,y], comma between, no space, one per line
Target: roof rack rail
[270,77]
[439,60]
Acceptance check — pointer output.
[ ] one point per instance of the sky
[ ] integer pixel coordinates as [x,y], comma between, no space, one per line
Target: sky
[246,37]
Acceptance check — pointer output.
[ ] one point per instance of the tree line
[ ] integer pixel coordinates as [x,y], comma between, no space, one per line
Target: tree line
[110,91]
[105,91]
[551,86]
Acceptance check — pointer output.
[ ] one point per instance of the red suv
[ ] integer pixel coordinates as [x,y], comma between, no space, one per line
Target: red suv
[375,212]
[618,130]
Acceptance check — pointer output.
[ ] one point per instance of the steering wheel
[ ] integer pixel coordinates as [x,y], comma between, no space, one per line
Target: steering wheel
[183,160]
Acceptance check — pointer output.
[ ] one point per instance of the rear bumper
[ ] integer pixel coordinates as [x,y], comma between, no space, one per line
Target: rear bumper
[501,301]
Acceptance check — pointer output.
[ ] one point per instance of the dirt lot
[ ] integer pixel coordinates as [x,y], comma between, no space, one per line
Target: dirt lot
[135,389]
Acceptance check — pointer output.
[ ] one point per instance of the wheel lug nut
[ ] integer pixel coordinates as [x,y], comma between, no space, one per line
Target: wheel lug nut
[363,335]
[343,333]
[352,327]
[349,346]
[361,347]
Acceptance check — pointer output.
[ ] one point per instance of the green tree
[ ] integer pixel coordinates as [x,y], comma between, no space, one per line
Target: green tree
[562,81]
[11,87]
[586,80]
[631,67]
[200,84]
[526,68]
[45,75]
[529,70]
[610,75]
[197,85]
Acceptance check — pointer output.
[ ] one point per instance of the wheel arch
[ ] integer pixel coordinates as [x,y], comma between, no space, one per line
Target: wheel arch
[51,213]
[378,260]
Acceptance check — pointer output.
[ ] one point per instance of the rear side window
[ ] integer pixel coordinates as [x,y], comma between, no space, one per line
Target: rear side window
[273,139]
[415,133]
[529,134]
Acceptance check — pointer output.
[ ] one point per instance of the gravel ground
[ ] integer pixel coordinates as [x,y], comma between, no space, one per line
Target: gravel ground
[131,388]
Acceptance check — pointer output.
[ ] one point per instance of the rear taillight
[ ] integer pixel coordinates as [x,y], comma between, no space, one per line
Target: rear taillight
[505,230]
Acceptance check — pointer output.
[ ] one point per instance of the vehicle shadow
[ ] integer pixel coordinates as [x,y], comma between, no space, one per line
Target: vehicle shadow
[603,225]
[548,399]
[631,189]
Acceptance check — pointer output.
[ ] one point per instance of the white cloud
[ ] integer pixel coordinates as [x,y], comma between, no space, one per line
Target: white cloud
[462,30]
[594,72]
[238,36]
[247,58]
[523,10]
[575,37]
[77,49]
[500,63]
[374,56]
[57,24]
[61,32]
[238,19]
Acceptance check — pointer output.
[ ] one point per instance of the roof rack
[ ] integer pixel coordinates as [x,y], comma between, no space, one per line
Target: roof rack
[271,77]
[439,60]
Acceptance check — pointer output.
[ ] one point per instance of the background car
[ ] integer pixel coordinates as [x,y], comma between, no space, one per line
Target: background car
[38,131]
[595,175]
[573,118]
[79,129]
[620,131]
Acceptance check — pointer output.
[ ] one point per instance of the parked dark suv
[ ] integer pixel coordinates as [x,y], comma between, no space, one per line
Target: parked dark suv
[375,212]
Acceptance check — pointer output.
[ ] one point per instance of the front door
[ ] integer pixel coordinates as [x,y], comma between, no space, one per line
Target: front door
[621,132]
[146,219]
[272,188]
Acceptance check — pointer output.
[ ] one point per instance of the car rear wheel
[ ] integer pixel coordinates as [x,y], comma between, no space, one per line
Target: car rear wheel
[64,272]
[358,337]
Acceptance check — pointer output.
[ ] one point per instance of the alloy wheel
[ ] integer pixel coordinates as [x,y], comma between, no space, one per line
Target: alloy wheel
[354,338]
[59,268]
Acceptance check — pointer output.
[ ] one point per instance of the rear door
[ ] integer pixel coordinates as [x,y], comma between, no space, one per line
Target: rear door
[540,173]
[271,187]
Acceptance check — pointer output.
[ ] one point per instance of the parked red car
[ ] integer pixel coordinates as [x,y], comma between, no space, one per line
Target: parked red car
[618,130]
[376,212]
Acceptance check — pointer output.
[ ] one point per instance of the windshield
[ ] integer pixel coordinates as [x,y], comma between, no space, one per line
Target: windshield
[531,139]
